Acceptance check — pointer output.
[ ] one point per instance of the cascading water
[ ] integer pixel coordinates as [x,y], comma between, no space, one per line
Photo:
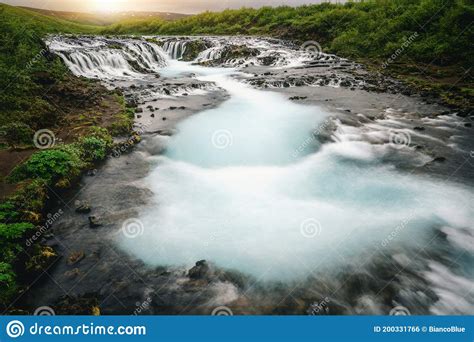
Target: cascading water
[175,48]
[248,186]
[108,59]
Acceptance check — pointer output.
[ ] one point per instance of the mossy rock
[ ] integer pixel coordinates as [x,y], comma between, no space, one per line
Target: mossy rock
[193,48]
[43,257]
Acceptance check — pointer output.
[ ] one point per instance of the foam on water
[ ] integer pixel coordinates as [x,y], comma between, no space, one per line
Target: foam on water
[249,186]
[246,202]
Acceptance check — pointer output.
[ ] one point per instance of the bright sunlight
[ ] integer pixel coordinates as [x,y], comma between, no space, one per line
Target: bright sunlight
[106,6]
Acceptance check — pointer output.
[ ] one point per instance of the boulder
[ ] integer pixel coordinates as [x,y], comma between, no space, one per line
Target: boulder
[200,271]
[83,207]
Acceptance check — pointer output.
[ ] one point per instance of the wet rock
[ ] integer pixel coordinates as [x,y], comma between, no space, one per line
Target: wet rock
[182,107]
[94,222]
[268,60]
[152,115]
[166,91]
[298,97]
[139,110]
[172,108]
[193,48]
[83,207]
[73,273]
[75,257]
[345,83]
[419,128]
[42,258]
[86,304]
[467,124]
[200,271]
[165,132]
[439,160]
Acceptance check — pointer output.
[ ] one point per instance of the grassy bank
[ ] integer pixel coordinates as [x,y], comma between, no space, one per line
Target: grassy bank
[38,92]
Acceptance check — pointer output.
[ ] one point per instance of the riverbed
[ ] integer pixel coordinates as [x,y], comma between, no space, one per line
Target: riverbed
[296,184]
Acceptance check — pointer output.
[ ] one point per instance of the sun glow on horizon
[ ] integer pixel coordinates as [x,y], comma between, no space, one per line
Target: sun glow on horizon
[106,6]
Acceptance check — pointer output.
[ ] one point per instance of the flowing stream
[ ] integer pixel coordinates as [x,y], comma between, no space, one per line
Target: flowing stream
[250,185]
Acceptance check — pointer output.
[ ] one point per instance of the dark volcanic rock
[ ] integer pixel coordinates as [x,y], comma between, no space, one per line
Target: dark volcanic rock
[83,207]
[94,222]
[200,271]
[193,48]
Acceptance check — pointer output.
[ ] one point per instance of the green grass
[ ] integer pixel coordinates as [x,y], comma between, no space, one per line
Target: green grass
[27,69]
[27,73]
[375,28]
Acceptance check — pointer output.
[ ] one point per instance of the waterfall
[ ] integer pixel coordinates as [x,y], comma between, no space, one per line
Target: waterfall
[108,59]
[210,54]
[175,49]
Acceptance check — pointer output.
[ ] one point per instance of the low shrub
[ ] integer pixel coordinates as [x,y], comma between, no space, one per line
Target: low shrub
[50,165]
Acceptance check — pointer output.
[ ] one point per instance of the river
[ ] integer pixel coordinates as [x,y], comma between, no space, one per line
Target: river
[292,204]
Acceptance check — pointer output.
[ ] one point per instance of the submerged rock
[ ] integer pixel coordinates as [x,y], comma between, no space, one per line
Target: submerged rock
[83,207]
[75,257]
[94,222]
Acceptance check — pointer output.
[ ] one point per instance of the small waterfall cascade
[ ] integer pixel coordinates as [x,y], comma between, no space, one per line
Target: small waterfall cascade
[175,48]
[108,59]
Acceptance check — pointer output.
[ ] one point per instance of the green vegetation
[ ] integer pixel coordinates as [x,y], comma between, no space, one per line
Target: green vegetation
[49,165]
[124,122]
[47,169]
[364,29]
[436,37]
[28,70]
[36,92]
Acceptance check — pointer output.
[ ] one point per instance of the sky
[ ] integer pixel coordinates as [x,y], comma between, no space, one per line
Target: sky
[179,6]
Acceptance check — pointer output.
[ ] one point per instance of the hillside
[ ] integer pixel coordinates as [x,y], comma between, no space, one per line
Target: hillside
[104,19]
